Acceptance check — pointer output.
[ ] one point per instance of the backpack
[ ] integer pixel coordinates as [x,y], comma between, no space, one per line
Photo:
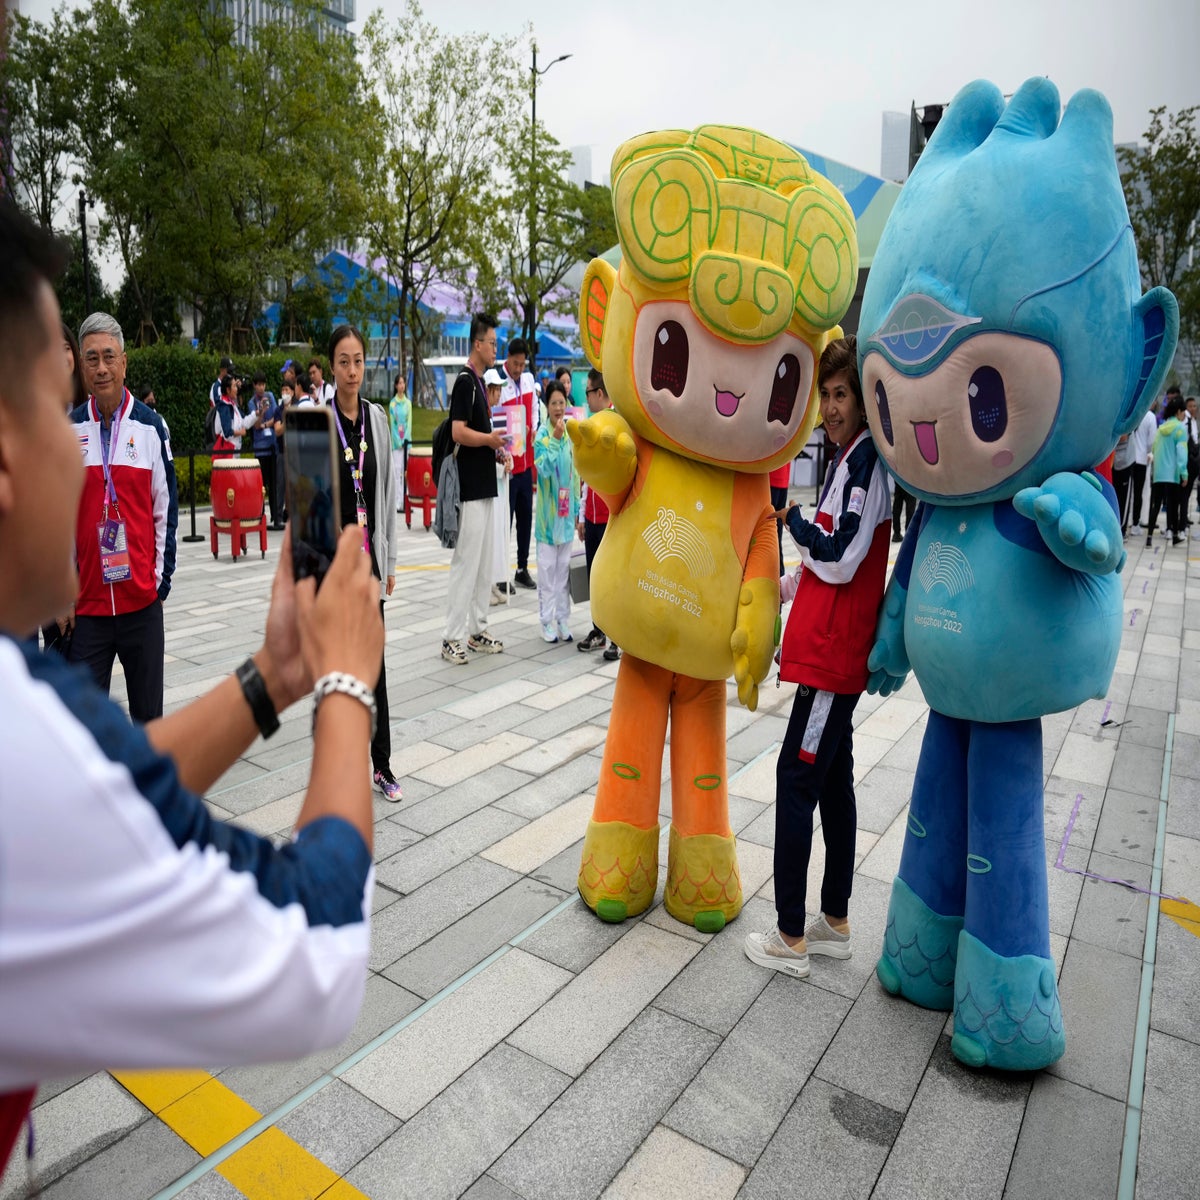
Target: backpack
[443,447]
[212,428]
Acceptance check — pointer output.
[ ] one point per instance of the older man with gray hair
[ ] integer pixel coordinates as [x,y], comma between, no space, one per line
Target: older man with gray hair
[125,532]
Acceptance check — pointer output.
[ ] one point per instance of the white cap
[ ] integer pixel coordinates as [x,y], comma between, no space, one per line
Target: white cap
[492,378]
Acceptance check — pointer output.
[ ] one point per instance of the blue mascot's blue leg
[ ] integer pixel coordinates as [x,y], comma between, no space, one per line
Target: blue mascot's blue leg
[928,896]
[1006,1010]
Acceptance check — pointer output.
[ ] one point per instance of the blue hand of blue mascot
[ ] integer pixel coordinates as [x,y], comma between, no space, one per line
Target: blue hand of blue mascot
[888,661]
[1076,522]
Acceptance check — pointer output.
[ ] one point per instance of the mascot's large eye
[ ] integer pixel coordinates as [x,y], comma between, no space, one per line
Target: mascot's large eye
[989,411]
[885,412]
[784,389]
[670,366]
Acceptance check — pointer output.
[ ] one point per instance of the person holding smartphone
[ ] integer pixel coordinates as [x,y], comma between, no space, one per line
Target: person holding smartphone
[136,930]
[368,500]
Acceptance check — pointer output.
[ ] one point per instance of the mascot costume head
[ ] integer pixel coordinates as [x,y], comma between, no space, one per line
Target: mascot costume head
[737,262]
[1005,346]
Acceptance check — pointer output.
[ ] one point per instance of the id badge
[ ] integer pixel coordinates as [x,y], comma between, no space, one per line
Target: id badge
[564,502]
[362,524]
[114,554]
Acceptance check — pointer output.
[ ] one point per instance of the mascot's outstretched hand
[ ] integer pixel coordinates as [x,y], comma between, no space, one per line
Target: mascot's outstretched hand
[888,660]
[754,637]
[605,455]
[1077,523]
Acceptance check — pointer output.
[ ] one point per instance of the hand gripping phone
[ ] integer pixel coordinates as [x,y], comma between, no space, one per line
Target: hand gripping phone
[313,495]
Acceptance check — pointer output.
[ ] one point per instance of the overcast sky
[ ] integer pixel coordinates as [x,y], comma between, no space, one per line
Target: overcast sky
[821,83]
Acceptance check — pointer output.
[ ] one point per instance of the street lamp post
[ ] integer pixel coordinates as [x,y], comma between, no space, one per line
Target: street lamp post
[83,234]
[533,281]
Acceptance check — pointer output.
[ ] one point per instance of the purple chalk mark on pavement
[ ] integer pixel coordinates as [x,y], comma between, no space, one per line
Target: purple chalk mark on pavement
[1059,864]
[1107,710]
[1133,617]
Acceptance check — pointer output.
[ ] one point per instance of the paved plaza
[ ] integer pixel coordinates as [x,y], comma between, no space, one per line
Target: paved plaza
[513,1046]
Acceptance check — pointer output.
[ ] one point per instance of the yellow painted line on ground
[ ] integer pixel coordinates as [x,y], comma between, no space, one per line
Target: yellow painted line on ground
[1184,913]
[208,1115]
[424,567]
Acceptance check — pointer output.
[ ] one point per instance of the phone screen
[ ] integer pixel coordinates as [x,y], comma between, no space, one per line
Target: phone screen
[312,489]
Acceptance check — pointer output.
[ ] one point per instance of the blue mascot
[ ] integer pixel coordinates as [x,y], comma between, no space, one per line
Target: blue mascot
[1005,347]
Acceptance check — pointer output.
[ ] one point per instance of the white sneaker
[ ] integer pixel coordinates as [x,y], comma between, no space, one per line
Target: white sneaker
[822,938]
[496,597]
[564,634]
[768,949]
[455,652]
[548,634]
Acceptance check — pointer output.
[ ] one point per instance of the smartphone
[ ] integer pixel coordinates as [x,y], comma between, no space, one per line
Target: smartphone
[313,497]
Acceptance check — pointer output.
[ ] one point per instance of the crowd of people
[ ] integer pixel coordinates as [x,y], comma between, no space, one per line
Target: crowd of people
[127,883]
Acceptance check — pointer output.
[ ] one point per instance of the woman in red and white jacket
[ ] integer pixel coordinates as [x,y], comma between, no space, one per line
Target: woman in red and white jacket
[844,551]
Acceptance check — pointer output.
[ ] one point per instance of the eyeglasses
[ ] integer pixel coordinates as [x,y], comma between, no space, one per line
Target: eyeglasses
[590,391]
[487,341]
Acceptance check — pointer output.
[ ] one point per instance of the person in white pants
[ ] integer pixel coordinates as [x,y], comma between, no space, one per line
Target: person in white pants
[555,514]
[478,443]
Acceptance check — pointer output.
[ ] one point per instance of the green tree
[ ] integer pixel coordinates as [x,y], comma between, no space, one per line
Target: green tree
[36,99]
[1162,191]
[445,103]
[572,224]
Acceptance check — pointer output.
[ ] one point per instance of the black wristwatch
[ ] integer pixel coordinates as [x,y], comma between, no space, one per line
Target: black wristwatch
[255,691]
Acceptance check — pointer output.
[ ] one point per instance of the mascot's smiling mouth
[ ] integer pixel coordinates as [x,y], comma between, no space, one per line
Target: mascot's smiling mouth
[727,402]
[927,440]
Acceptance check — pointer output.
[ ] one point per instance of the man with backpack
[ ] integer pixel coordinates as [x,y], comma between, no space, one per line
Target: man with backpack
[470,582]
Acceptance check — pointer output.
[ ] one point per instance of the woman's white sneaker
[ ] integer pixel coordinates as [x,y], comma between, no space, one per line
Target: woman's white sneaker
[768,949]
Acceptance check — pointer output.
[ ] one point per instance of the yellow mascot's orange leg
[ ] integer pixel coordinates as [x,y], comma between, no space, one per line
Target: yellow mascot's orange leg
[704,887]
[619,868]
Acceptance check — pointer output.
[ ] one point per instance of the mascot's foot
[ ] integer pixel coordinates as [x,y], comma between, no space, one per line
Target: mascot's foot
[704,887]
[1006,1011]
[919,951]
[619,871]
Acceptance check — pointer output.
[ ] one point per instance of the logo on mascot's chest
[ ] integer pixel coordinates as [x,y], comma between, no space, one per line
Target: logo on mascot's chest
[947,566]
[672,536]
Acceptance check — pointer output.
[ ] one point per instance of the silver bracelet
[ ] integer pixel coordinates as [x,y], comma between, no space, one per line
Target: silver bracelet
[348,685]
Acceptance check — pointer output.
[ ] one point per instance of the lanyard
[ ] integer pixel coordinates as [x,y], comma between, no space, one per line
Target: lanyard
[362,445]
[114,433]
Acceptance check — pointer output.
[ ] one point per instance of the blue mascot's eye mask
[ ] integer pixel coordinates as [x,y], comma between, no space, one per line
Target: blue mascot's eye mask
[973,421]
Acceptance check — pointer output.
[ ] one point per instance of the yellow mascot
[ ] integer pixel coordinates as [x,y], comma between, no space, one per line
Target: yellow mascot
[738,261]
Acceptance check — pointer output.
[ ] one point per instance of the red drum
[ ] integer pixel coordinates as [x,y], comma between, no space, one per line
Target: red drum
[420,486]
[237,489]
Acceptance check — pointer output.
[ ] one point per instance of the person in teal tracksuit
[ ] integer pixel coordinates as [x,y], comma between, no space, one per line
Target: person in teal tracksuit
[1169,476]
[400,421]
[556,511]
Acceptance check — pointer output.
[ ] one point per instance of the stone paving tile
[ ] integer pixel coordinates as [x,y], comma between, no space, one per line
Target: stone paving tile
[546,793]
[1128,826]
[1059,799]
[1146,727]
[1176,982]
[267,1087]
[832,1143]
[404,1074]
[430,857]
[575,1026]
[716,988]
[455,1137]
[1070,1143]
[456,950]
[596,708]
[1152,693]
[563,693]
[1185,757]
[891,719]
[562,871]
[1137,769]
[559,749]
[1181,867]
[1169,1158]
[1088,759]
[74,1126]
[1109,915]
[744,1090]
[764,734]
[477,729]
[147,1160]
[575,938]
[403,926]
[536,841]
[339,1126]
[442,807]
[1064,887]
[504,695]
[211,1187]
[262,788]
[580,1143]
[466,763]
[391,837]
[1099,993]
[882,1048]
[667,1164]
[958,1137]
[880,797]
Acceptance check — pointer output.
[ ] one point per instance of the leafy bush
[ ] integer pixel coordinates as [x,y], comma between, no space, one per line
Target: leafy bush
[202,465]
[181,378]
